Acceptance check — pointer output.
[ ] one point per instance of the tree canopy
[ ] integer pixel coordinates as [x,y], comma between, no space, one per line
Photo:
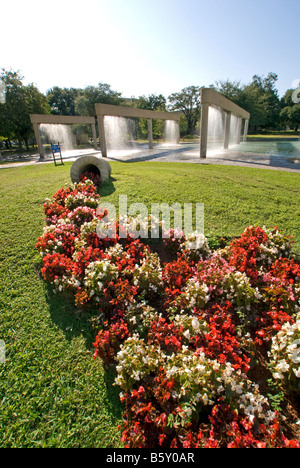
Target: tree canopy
[89,96]
[259,97]
[20,101]
[62,100]
[290,109]
[188,102]
[151,102]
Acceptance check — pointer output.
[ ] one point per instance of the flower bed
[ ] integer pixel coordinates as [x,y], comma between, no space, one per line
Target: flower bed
[184,334]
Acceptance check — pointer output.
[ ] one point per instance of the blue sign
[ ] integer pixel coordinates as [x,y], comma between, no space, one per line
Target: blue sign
[55,148]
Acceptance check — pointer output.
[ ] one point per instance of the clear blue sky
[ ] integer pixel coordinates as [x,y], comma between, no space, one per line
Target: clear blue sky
[155,46]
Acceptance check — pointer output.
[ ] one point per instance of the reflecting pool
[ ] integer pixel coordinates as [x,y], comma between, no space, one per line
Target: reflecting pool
[283,148]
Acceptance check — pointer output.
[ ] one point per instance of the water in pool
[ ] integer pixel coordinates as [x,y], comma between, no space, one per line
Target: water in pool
[284,148]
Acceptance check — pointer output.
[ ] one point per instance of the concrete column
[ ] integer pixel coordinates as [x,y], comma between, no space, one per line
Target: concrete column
[246,129]
[227,130]
[94,136]
[150,133]
[203,130]
[102,135]
[38,140]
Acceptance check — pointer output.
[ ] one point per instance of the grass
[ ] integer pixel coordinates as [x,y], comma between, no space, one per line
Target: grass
[52,393]
[281,134]
[233,197]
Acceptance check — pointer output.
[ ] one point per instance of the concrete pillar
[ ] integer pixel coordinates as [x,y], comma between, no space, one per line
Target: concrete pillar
[102,135]
[246,129]
[150,133]
[204,130]
[94,136]
[227,130]
[36,129]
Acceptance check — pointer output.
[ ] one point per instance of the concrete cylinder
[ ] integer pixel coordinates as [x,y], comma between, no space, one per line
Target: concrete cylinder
[90,163]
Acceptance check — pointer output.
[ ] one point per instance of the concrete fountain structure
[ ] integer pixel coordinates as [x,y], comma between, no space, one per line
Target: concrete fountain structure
[114,130]
[214,103]
[105,110]
[221,123]
[40,122]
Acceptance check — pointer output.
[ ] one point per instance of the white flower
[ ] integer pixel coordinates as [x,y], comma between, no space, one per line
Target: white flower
[239,389]
[297,372]
[136,375]
[195,323]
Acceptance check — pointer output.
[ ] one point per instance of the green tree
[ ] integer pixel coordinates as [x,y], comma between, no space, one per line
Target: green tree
[260,98]
[290,112]
[151,102]
[62,100]
[88,97]
[188,102]
[232,90]
[20,101]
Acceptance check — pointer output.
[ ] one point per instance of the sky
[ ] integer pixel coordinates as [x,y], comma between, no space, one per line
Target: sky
[142,47]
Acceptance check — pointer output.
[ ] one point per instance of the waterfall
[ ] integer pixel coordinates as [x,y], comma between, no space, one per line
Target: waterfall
[120,132]
[58,133]
[216,128]
[171,131]
[234,129]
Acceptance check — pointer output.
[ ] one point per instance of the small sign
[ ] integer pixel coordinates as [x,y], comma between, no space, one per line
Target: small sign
[56,148]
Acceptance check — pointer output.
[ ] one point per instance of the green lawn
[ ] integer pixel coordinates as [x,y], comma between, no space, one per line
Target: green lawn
[52,393]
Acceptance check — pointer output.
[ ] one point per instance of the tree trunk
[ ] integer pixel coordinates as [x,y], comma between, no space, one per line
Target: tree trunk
[19,138]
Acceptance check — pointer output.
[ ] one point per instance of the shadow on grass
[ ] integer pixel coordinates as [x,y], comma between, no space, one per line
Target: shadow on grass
[75,322]
[107,187]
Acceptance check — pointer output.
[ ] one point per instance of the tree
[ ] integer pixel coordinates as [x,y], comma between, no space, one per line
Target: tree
[290,112]
[88,97]
[152,102]
[62,100]
[20,101]
[232,90]
[261,99]
[188,102]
